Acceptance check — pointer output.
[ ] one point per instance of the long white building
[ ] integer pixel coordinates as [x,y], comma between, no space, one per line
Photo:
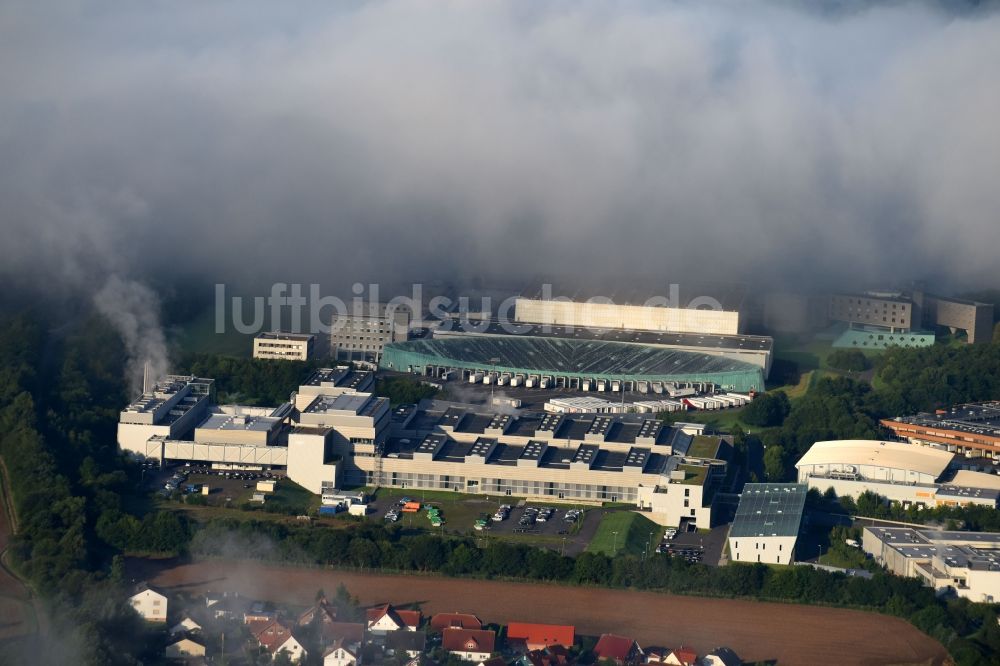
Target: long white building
[900,472]
[585,314]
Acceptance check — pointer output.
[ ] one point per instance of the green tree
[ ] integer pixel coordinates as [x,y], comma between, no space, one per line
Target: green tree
[774,463]
[767,410]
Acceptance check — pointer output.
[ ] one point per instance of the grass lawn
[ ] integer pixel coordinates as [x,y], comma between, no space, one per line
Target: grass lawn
[625,531]
[716,420]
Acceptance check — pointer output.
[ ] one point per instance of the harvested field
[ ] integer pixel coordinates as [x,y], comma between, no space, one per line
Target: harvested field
[790,634]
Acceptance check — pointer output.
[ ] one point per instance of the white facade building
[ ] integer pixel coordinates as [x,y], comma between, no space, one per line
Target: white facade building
[284,346]
[631,317]
[766,526]
[150,604]
[906,473]
[964,563]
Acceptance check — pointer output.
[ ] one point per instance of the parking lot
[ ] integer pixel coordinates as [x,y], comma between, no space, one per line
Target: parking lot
[461,513]
[695,546]
[225,486]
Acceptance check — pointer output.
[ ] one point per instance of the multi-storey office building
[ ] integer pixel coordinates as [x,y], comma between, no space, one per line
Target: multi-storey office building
[284,346]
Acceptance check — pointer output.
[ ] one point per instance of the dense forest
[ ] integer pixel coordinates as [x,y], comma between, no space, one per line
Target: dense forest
[59,397]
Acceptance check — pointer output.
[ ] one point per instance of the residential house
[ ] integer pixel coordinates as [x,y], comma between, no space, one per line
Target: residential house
[187,625]
[473,645]
[721,656]
[408,643]
[350,635]
[226,607]
[442,621]
[383,619]
[555,655]
[618,649]
[340,654]
[682,656]
[656,654]
[260,611]
[275,637]
[523,636]
[150,603]
[322,609]
[185,647]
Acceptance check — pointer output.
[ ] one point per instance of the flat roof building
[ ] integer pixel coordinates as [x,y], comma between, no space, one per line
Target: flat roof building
[711,309]
[906,312]
[584,364]
[966,564]
[967,429]
[356,439]
[767,522]
[284,346]
[363,332]
[906,473]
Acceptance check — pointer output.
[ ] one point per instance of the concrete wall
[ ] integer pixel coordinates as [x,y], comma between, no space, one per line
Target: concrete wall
[767,549]
[309,463]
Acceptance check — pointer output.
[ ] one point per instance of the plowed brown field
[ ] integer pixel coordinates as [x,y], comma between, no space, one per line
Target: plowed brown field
[790,634]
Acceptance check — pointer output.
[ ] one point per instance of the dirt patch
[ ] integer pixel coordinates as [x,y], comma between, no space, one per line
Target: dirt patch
[16,612]
[790,634]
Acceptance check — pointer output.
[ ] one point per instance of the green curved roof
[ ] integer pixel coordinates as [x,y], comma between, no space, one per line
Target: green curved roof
[572,357]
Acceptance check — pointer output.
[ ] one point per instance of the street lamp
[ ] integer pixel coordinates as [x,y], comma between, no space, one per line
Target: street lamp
[614,550]
[493,379]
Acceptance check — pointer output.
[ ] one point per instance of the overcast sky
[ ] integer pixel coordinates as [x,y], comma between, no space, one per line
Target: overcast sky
[340,141]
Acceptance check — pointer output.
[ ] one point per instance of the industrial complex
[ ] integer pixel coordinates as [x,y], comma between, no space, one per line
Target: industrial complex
[334,432]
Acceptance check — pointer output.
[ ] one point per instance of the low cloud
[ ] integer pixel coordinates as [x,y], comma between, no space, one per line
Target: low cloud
[398,140]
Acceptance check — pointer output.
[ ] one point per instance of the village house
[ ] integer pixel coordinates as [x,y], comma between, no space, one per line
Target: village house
[149,603]
[442,621]
[682,656]
[618,649]
[185,647]
[525,637]
[473,645]
[383,619]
